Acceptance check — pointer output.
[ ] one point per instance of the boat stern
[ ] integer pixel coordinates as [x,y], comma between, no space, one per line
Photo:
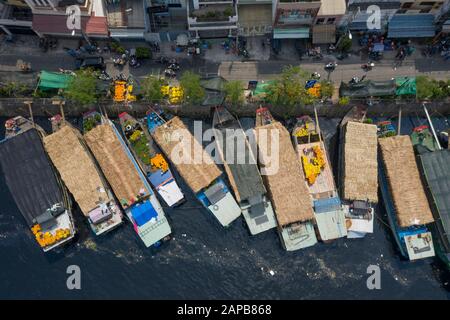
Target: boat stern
[298,236]
[259,217]
[419,245]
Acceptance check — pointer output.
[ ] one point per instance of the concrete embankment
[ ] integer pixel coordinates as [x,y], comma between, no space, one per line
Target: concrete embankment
[45,107]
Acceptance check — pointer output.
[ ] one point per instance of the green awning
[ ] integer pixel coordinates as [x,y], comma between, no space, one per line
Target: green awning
[405,86]
[53,80]
[294,33]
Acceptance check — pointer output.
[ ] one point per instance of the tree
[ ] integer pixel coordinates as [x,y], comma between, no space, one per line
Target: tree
[432,89]
[234,93]
[193,91]
[289,88]
[343,101]
[345,45]
[326,89]
[82,88]
[151,88]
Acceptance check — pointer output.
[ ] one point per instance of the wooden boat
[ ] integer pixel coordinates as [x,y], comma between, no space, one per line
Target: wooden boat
[285,182]
[358,172]
[126,179]
[328,209]
[80,173]
[36,188]
[242,171]
[203,177]
[150,159]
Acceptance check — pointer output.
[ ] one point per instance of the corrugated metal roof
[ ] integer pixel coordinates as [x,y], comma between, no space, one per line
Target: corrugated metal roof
[97,26]
[411,26]
[29,175]
[436,166]
[54,24]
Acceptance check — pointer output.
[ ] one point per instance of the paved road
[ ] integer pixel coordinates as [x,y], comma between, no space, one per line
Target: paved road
[52,61]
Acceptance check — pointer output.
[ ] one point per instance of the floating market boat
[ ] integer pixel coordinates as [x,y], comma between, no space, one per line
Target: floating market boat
[285,183]
[79,172]
[195,166]
[34,184]
[358,172]
[150,159]
[434,165]
[242,171]
[328,209]
[404,198]
[127,180]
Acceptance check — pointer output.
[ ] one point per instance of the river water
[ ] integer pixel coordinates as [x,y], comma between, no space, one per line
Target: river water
[205,261]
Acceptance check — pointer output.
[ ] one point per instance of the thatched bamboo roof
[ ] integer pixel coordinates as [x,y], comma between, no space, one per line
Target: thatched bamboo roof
[360,165]
[405,185]
[76,168]
[196,166]
[115,164]
[286,186]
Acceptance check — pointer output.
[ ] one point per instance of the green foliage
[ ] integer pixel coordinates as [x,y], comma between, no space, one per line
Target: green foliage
[343,101]
[432,89]
[151,88]
[193,91]
[326,89]
[289,88]
[228,12]
[345,45]
[115,46]
[13,90]
[143,53]
[82,88]
[89,123]
[234,93]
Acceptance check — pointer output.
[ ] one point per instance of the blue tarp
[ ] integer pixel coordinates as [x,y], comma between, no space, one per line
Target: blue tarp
[157,178]
[143,212]
[327,205]
[411,26]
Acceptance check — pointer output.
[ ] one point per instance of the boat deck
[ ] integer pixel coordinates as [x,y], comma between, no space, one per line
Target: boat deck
[324,186]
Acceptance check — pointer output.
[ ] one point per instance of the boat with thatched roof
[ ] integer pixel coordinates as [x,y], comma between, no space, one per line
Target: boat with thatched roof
[150,159]
[328,210]
[196,167]
[79,172]
[285,182]
[35,186]
[126,179]
[404,198]
[358,172]
[242,170]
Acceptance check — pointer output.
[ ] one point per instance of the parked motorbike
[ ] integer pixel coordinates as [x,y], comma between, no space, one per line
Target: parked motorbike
[368,66]
[330,66]
[315,75]
[170,73]
[67,71]
[104,76]
[119,61]
[174,66]
[134,62]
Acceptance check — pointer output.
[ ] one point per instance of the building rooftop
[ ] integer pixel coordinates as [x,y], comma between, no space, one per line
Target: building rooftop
[332,7]
[126,14]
